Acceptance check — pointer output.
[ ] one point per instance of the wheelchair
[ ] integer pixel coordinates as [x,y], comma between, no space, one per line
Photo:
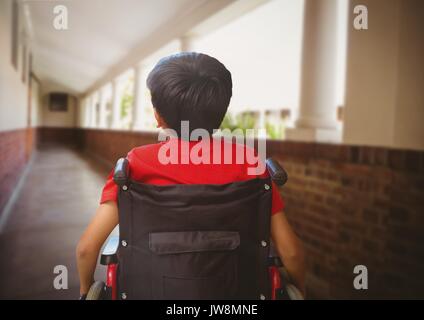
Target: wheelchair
[194,242]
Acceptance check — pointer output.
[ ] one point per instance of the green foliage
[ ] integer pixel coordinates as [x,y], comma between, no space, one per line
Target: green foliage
[274,131]
[127,100]
[126,104]
[242,121]
[228,123]
[246,120]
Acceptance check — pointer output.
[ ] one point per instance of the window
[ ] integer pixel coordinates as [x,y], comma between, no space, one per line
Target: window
[127,99]
[106,106]
[148,118]
[58,102]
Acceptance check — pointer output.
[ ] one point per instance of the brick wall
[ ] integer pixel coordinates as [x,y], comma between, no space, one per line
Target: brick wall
[16,147]
[357,205]
[50,136]
[351,206]
[112,145]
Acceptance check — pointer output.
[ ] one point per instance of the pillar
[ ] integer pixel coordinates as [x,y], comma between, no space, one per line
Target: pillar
[116,104]
[102,108]
[139,97]
[93,110]
[317,119]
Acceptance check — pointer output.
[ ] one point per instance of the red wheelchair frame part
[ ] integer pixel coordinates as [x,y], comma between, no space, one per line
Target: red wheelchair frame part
[111,282]
[275,278]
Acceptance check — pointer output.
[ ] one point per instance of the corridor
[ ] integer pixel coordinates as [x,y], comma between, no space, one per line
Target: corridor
[57,200]
[338,99]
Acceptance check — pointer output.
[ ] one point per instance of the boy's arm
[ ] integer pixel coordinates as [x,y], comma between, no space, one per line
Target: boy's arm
[289,248]
[104,221]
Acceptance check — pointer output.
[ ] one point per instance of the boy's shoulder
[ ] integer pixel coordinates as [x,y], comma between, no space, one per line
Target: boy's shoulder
[144,150]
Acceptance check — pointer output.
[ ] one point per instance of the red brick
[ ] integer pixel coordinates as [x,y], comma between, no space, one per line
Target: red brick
[16,147]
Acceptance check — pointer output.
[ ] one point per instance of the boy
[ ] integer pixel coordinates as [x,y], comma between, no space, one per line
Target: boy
[196,88]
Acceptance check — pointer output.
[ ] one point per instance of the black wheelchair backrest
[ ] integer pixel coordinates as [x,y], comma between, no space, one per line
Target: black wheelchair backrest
[194,241]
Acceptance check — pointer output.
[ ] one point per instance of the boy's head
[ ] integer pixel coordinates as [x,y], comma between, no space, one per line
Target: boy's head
[192,87]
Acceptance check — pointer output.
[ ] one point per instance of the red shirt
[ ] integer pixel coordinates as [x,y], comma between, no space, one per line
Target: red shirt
[145,167]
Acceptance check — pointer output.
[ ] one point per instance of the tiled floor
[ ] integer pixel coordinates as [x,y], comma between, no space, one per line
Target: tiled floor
[57,200]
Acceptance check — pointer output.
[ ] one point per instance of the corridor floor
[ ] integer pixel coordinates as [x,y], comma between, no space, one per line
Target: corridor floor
[57,200]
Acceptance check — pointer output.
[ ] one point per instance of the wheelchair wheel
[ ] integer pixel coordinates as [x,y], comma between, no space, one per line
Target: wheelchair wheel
[97,291]
[294,293]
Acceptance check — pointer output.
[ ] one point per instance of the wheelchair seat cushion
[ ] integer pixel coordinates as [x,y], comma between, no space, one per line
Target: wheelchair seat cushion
[194,241]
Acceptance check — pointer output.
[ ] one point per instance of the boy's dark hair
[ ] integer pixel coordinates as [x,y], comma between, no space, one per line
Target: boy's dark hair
[192,87]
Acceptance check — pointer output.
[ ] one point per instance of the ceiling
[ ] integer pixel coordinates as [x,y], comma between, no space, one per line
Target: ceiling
[100,34]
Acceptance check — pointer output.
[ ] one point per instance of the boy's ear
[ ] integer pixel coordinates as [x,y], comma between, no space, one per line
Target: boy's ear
[160,122]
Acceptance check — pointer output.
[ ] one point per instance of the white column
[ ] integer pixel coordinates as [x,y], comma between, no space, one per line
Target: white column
[81,112]
[139,97]
[86,117]
[93,109]
[318,106]
[102,109]
[262,119]
[116,104]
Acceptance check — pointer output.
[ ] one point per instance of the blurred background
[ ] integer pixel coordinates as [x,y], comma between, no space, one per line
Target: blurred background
[342,107]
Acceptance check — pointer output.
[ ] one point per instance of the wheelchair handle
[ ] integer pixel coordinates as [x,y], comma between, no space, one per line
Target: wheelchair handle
[121,173]
[277,173]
